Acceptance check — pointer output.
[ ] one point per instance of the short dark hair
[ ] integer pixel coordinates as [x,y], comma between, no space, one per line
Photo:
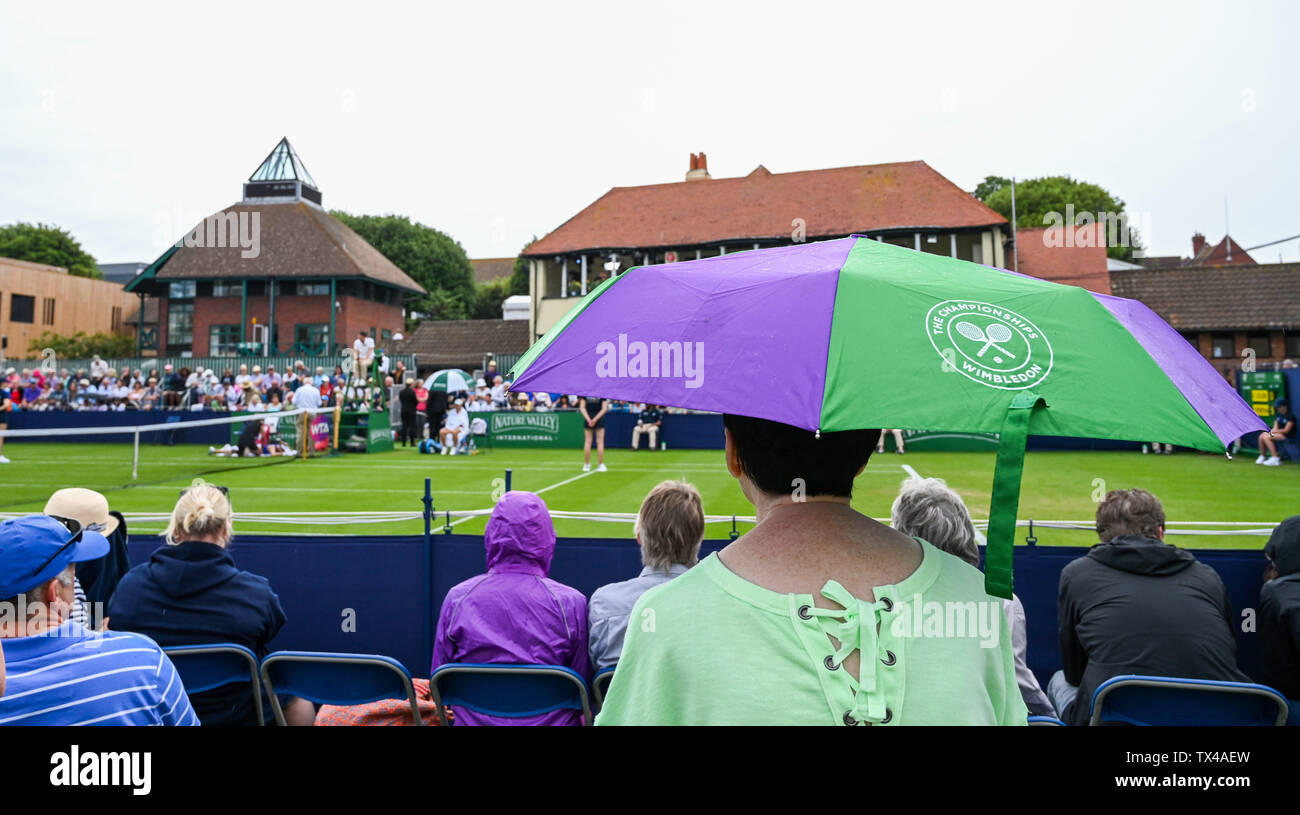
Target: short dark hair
[773,455]
[1129,512]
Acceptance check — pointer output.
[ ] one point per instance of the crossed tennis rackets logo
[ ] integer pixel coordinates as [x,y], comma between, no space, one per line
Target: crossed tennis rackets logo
[989,344]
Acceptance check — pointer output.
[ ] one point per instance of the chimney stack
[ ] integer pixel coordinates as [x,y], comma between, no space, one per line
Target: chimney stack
[699,168]
[1198,243]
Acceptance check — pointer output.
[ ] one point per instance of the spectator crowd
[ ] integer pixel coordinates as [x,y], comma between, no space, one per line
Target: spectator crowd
[106,389]
[804,619]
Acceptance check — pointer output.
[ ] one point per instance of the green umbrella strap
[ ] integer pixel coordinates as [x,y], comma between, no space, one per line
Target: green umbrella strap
[1006,494]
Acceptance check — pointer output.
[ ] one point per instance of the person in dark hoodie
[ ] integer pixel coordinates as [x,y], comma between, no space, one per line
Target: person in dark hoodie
[1279,613]
[190,593]
[1137,605]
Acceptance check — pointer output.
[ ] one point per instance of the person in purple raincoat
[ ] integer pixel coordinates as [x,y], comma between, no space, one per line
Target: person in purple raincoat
[515,613]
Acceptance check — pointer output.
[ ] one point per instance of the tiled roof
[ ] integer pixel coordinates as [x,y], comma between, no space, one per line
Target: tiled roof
[764,205]
[1217,255]
[1217,298]
[295,240]
[463,343]
[489,269]
[1078,261]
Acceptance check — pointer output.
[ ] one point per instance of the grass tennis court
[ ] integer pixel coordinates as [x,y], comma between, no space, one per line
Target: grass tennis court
[1057,486]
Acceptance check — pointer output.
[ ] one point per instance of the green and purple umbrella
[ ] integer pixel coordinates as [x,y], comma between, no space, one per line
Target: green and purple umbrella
[854,334]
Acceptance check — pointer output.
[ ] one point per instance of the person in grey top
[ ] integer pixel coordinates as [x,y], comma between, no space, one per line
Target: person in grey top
[928,508]
[669,529]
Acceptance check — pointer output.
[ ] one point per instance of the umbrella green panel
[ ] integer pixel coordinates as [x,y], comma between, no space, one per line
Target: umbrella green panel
[924,342]
[929,343]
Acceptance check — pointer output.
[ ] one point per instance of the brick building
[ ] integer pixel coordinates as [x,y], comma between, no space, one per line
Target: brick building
[905,203]
[1229,313]
[276,270]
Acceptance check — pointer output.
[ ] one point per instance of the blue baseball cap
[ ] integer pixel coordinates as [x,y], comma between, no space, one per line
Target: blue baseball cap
[36,548]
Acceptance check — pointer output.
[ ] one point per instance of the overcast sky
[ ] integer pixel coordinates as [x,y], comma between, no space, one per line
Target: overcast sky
[125,123]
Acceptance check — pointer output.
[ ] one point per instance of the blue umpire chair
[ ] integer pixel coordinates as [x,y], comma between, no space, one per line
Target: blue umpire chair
[508,690]
[1163,701]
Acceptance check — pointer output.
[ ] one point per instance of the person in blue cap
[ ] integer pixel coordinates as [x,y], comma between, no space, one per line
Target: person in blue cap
[58,672]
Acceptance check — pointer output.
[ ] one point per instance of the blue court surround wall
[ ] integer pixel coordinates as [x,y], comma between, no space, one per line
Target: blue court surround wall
[394,587]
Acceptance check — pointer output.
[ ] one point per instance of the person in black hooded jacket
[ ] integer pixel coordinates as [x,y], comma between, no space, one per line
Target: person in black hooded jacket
[190,593]
[1137,605]
[1279,613]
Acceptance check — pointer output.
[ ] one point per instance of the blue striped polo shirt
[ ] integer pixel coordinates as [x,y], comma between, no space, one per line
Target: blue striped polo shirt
[71,676]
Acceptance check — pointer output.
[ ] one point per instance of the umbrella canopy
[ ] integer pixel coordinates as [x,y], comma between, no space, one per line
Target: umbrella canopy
[854,334]
[449,380]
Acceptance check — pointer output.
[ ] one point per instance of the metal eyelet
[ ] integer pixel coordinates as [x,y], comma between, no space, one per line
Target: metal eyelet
[829,662]
[848,718]
[889,659]
[803,612]
[889,604]
[889,714]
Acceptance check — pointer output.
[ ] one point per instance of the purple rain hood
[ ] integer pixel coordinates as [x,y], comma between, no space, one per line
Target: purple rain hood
[520,537]
[515,613]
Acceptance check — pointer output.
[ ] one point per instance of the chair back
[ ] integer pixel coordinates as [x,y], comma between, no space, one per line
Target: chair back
[205,667]
[337,679]
[1159,700]
[600,685]
[508,690]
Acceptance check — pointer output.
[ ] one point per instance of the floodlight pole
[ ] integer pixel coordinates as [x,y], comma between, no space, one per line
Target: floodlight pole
[1015,244]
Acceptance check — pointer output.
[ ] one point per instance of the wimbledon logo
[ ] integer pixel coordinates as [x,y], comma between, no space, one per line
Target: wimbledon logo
[989,344]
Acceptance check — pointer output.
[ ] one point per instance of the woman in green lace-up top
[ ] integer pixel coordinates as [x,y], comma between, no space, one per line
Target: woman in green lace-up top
[818,615]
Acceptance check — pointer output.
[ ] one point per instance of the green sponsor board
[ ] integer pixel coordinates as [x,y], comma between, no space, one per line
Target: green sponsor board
[937,440]
[372,426]
[533,429]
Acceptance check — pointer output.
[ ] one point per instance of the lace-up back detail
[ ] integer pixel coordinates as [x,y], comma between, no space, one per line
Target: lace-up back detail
[856,626]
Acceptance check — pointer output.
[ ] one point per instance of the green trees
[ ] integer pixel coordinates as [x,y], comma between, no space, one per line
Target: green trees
[1052,200]
[435,260]
[83,346]
[43,243]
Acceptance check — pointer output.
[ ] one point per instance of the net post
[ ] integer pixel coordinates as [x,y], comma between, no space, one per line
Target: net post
[508,472]
[135,457]
[304,433]
[338,414]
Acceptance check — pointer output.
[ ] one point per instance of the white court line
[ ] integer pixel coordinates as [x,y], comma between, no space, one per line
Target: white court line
[565,481]
[535,492]
[911,473]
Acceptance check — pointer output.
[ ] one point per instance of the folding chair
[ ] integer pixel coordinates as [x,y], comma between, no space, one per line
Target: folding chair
[600,684]
[336,679]
[206,667]
[1160,700]
[1045,721]
[478,427]
[508,690]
